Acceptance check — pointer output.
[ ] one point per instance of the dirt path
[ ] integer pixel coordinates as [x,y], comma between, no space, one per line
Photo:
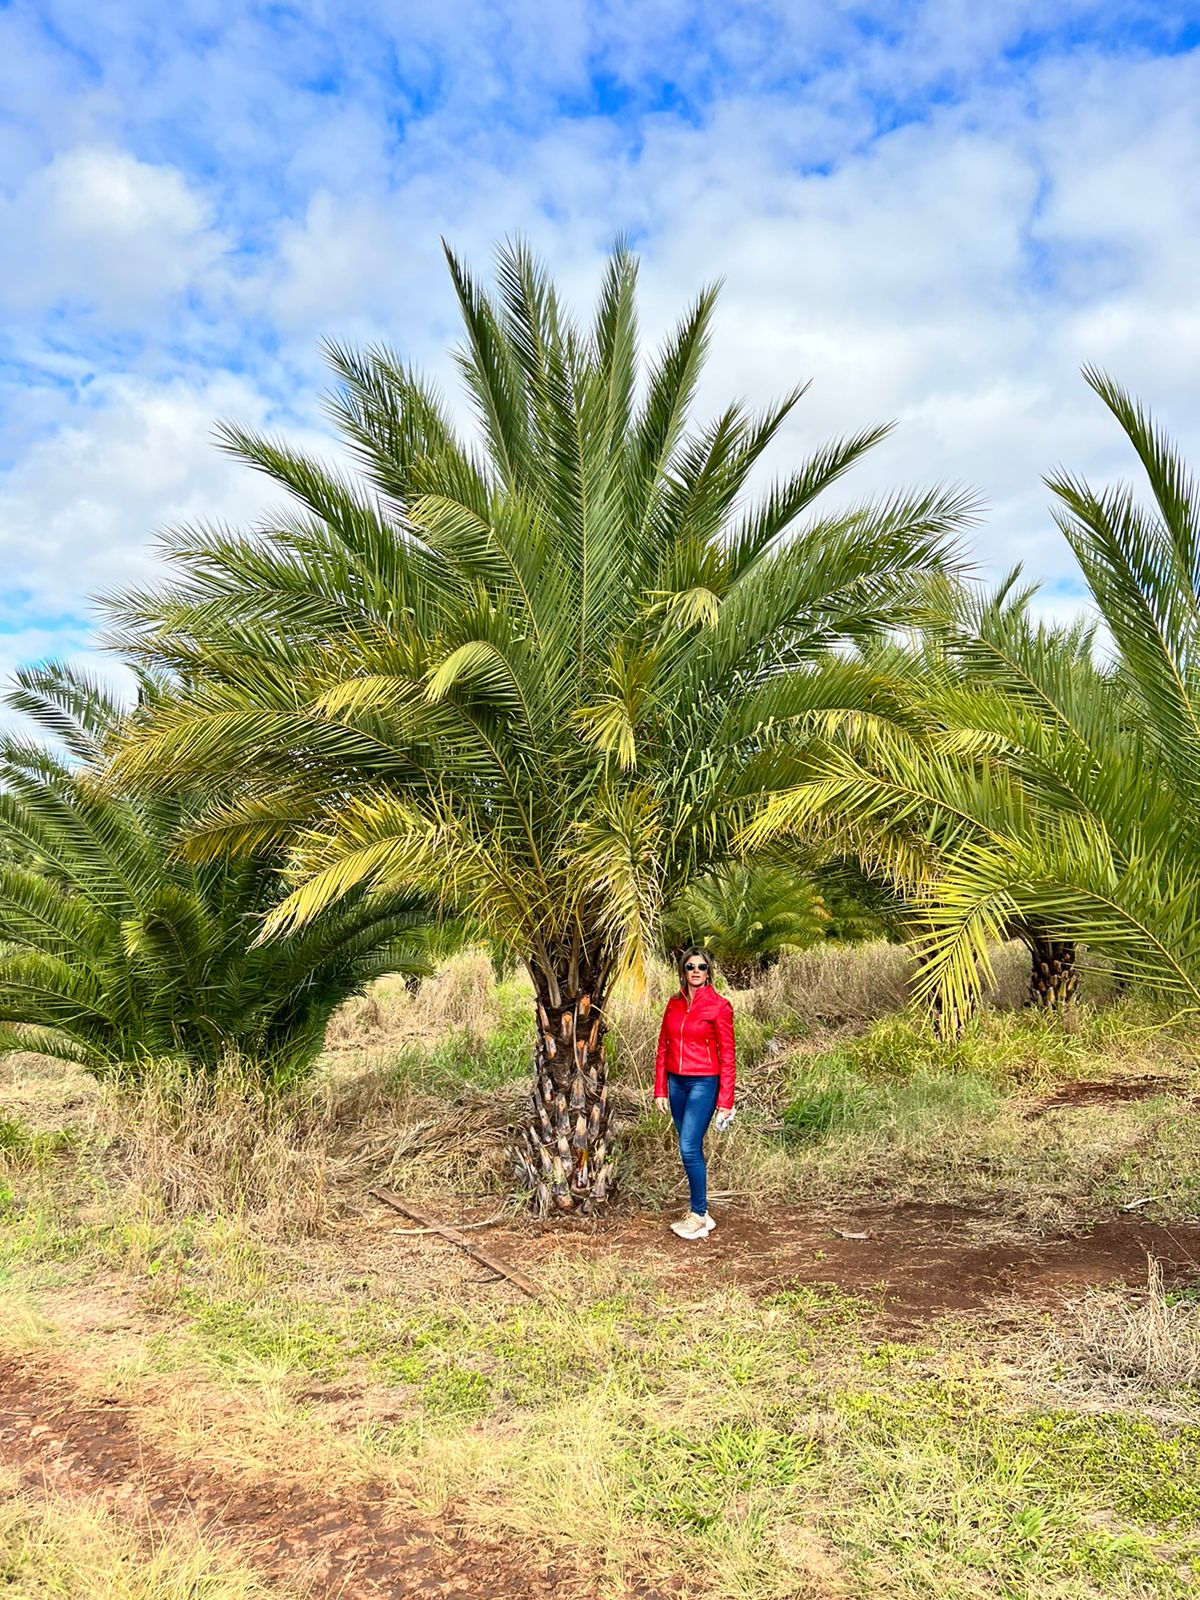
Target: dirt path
[352,1546]
[915,1262]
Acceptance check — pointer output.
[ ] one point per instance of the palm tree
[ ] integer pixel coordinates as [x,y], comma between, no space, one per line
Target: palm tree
[535,674]
[1032,785]
[112,953]
[747,914]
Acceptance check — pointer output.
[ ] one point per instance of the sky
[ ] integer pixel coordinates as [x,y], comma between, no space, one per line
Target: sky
[936,211]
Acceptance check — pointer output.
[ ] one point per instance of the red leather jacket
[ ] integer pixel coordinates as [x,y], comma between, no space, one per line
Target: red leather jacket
[697,1039]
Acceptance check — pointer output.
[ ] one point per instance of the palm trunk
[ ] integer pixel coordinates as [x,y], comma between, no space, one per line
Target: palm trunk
[1053,980]
[562,1153]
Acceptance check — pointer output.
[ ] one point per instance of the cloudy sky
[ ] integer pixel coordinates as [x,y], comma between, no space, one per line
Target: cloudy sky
[936,211]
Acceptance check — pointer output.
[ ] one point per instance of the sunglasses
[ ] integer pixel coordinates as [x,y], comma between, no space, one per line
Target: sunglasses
[696,966]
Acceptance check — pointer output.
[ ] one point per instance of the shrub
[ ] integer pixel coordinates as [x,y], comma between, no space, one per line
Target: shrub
[114,952]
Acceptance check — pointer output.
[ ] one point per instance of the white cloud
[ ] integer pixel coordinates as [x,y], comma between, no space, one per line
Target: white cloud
[32,646]
[97,228]
[953,273]
[78,509]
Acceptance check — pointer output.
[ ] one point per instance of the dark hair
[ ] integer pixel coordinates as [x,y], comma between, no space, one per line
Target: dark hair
[686,955]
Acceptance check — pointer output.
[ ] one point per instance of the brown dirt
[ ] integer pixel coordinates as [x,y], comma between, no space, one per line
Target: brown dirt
[1104,1091]
[917,1262]
[354,1547]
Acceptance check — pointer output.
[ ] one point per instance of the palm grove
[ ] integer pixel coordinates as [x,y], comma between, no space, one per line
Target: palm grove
[560,678]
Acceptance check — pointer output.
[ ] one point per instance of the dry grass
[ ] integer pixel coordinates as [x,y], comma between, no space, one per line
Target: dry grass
[406,1098]
[45,1095]
[293,1162]
[52,1548]
[845,984]
[634,1019]
[380,1018]
[891,1110]
[829,985]
[834,984]
[1147,1339]
[460,998]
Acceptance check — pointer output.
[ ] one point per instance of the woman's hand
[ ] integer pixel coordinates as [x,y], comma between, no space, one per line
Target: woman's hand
[663,1104]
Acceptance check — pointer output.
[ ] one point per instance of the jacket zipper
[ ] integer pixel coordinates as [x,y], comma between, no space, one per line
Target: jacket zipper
[708,1049]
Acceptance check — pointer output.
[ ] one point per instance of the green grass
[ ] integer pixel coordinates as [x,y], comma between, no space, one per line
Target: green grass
[897,1111]
[1146,1473]
[709,1433]
[714,1422]
[713,1430]
[754,1448]
[828,1095]
[686,1481]
[1009,1050]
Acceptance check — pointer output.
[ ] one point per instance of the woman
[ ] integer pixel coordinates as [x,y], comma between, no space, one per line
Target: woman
[694,1076]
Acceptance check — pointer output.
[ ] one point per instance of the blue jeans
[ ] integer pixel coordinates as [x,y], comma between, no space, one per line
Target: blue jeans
[693,1101]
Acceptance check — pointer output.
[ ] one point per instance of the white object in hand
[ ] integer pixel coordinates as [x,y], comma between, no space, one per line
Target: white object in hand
[724,1118]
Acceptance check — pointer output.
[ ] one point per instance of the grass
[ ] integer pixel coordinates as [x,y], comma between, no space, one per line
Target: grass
[55,1549]
[748,1447]
[741,1444]
[1149,1341]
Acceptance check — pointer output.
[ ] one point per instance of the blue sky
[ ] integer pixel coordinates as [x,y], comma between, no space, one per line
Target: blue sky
[936,211]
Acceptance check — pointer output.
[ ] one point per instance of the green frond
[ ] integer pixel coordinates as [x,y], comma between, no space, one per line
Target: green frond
[115,950]
[541,677]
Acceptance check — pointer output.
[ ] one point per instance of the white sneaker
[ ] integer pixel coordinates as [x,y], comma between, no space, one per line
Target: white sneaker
[694,1227]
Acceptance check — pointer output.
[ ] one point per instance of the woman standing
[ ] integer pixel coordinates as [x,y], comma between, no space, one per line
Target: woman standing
[694,1076]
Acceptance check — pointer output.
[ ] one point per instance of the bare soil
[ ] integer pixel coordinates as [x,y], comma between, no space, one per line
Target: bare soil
[354,1547]
[1103,1092]
[912,1262]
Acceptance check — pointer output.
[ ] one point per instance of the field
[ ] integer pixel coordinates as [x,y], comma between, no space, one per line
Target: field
[945,1339]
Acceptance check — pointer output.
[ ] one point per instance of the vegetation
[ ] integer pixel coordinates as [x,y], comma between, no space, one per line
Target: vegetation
[747,915]
[115,953]
[53,1546]
[572,690]
[754,1440]
[541,679]
[1023,785]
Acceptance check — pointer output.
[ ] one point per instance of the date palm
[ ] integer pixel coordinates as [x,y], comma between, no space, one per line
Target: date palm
[747,914]
[113,954]
[1035,785]
[532,667]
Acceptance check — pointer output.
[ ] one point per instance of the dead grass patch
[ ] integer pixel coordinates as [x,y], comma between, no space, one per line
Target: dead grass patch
[834,984]
[297,1161]
[46,1095]
[1149,1339]
[461,997]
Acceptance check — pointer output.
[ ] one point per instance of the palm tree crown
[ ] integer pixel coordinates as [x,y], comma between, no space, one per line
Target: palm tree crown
[537,674]
[112,953]
[1038,785]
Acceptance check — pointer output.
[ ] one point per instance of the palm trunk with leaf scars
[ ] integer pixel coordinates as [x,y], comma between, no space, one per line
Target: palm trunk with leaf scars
[562,1152]
[1053,979]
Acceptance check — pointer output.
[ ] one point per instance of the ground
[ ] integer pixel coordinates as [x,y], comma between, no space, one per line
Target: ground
[945,1339]
[909,1263]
